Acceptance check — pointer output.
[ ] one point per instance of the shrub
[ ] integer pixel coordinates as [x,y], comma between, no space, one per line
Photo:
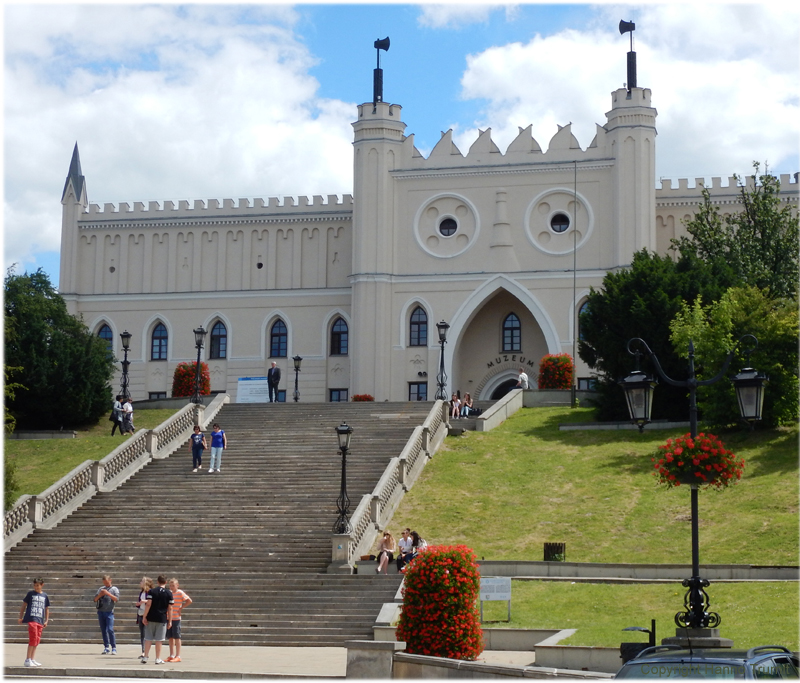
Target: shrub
[555,371]
[362,397]
[440,614]
[183,380]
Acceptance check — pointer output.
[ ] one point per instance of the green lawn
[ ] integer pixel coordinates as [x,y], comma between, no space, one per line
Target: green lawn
[752,613]
[506,492]
[40,464]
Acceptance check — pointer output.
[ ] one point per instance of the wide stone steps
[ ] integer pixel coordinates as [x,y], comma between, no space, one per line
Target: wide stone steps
[250,544]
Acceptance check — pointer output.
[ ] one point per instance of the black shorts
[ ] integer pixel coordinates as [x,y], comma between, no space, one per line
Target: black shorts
[174,631]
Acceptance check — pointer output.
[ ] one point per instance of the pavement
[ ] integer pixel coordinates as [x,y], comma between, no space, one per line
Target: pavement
[82,661]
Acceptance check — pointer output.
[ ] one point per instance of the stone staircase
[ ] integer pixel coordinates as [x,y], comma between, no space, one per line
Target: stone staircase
[250,545]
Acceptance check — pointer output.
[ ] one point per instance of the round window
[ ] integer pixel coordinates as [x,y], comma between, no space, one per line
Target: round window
[448,227]
[559,222]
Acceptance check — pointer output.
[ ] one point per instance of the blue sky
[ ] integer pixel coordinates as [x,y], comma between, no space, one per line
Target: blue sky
[214,101]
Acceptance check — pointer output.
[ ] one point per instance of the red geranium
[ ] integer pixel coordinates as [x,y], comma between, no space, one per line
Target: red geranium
[555,371]
[703,460]
[184,378]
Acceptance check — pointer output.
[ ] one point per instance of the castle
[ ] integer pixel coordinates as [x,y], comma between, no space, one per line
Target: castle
[502,246]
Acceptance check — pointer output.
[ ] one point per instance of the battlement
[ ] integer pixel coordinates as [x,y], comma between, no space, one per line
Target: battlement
[213,208]
[718,188]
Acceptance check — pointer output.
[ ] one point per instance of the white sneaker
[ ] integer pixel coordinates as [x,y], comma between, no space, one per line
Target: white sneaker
[194,470]
[144,660]
[35,663]
[105,651]
[159,661]
[218,470]
[29,662]
[210,471]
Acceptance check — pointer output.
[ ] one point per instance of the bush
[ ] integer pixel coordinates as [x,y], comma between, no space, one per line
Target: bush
[362,397]
[183,380]
[555,371]
[440,614]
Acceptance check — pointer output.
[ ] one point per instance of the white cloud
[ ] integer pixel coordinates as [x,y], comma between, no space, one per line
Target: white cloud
[165,102]
[454,16]
[724,80]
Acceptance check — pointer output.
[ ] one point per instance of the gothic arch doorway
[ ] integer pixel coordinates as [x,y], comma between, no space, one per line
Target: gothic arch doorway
[503,389]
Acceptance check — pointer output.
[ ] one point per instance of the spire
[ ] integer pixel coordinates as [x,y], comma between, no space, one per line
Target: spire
[75,176]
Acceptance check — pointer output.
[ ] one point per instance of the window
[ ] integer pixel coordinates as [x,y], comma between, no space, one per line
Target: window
[586,383]
[512,333]
[418,334]
[155,395]
[339,338]
[277,340]
[584,308]
[417,391]
[338,395]
[448,227]
[559,222]
[158,346]
[219,341]
[106,335]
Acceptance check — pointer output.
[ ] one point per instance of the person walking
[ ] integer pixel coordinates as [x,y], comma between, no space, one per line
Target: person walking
[127,416]
[156,618]
[197,444]
[116,416]
[273,379]
[105,600]
[35,612]
[219,442]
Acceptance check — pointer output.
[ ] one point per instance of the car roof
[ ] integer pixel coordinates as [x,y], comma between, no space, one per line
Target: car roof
[726,654]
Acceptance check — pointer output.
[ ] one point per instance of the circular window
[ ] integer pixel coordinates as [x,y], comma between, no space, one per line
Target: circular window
[448,227]
[559,222]
[259,265]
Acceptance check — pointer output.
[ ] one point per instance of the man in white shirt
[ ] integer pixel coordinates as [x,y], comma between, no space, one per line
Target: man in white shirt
[522,383]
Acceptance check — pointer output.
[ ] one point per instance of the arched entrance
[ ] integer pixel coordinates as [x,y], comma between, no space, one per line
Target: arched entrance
[501,337]
[503,389]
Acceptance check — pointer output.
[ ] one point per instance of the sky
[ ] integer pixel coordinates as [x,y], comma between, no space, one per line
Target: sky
[202,101]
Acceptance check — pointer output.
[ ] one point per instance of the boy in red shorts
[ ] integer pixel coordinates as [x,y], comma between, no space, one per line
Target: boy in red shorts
[35,612]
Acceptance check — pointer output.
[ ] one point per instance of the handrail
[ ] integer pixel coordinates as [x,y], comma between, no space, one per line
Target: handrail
[375,510]
[50,507]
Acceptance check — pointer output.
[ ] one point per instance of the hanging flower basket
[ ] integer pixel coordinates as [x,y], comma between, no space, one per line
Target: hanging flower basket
[703,460]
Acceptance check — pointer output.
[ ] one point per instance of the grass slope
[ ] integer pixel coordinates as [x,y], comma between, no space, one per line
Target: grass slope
[506,492]
[40,464]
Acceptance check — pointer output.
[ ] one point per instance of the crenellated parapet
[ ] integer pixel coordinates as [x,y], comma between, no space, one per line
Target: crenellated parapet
[723,192]
[243,210]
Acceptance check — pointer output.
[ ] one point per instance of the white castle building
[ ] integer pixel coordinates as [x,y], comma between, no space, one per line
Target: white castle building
[502,246]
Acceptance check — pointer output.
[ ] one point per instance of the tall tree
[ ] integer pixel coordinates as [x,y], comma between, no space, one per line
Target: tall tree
[65,369]
[641,302]
[758,246]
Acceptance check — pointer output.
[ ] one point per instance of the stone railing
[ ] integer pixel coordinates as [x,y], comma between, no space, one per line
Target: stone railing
[376,509]
[500,411]
[47,509]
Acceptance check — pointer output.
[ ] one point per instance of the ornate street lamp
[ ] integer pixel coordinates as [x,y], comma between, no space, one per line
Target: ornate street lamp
[199,336]
[441,378]
[297,360]
[342,525]
[638,392]
[126,342]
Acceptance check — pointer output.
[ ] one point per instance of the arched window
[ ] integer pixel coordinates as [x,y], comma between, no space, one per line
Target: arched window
[158,345]
[219,341]
[418,331]
[584,308]
[278,340]
[339,338]
[107,335]
[512,333]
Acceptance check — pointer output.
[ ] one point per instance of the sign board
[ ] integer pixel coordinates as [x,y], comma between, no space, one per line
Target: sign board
[252,390]
[496,588]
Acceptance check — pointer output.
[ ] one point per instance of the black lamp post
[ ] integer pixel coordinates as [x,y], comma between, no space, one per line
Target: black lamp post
[638,392]
[199,336]
[126,342]
[297,360]
[342,525]
[441,378]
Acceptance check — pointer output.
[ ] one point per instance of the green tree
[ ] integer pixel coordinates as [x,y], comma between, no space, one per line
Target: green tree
[10,483]
[757,246]
[65,368]
[715,329]
[641,301]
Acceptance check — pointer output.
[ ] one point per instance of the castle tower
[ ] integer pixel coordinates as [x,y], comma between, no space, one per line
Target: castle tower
[378,140]
[631,130]
[74,201]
